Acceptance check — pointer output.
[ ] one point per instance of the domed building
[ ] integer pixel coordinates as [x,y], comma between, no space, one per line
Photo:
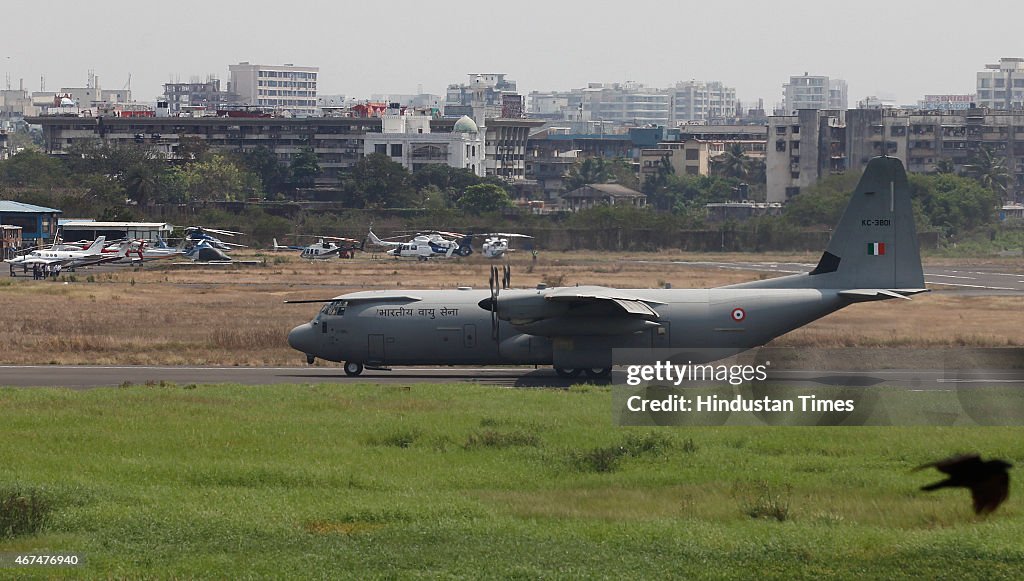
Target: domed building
[409,140]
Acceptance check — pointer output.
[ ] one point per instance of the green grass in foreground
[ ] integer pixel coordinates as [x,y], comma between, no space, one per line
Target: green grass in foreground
[469,481]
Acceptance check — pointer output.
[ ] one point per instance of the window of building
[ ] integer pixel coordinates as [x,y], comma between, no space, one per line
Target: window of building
[792,191]
[780,130]
[381,148]
[396,150]
[692,155]
[794,145]
[780,145]
[1000,83]
[794,175]
[796,130]
[692,170]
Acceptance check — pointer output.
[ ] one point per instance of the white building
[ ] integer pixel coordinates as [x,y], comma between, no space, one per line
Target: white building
[407,140]
[284,88]
[1001,86]
[814,92]
[627,104]
[702,101]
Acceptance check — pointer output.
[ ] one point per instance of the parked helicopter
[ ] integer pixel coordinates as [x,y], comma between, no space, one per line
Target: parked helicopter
[196,234]
[326,247]
[496,244]
[426,245]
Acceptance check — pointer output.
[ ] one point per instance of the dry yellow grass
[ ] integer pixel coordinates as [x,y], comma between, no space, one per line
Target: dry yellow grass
[172,315]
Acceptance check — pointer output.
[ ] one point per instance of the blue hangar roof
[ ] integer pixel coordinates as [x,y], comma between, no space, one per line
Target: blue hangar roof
[8,207]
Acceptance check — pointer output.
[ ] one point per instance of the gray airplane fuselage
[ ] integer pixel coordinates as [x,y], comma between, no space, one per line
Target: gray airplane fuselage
[872,255]
[432,327]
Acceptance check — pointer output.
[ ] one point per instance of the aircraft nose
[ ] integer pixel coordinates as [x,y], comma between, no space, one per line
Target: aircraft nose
[302,338]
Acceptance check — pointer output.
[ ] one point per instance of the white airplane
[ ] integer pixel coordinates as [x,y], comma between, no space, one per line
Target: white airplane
[496,244]
[428,245]
[72,258]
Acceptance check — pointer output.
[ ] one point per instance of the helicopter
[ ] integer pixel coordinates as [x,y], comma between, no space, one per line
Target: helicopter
[496,244]
[326,247]
[428,244]
[197,234]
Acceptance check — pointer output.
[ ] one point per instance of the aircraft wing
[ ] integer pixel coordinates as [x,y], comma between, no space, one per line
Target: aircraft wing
[577,311]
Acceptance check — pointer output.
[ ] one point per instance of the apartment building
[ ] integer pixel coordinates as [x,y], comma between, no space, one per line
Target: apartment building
[802,149]
[814,92]
[284,88]
[1001,86]
[705,101]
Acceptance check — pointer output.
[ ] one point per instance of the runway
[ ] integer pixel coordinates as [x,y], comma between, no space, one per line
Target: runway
[983,280]
[86,377]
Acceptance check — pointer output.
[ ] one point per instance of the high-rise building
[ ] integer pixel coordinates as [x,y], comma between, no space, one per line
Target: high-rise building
[485,96]
[627,104]
[283,88]
[702,101]
[813,92]
[1001,86]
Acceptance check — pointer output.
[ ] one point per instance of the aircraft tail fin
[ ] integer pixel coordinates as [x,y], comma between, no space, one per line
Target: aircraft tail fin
[276,245]
[374,240]
[97,246]
[874,245]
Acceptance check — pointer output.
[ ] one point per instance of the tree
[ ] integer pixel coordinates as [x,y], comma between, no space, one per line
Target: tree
[32,168]
[945,165]
[141,183]
[217,179]
[955,204]
[989,170]
[305,167]
[483,198]
[377,182]
[732,163]
[274,175]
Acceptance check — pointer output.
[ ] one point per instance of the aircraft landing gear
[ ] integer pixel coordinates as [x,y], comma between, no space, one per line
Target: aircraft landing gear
[310,358]
[598,372]
[567,371]
[353,369]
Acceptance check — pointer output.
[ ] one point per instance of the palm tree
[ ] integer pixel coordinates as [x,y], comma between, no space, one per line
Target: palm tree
[945,165]
[733,163]
[141,183]
[989,169]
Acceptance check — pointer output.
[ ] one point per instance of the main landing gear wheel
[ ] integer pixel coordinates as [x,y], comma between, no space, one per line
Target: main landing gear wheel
[598,372]
[567,371]
[353,369]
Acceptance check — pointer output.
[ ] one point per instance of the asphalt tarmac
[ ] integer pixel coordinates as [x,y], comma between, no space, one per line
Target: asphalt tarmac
[85,377]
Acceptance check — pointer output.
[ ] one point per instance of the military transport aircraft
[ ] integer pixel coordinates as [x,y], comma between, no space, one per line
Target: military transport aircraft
[426,245]
[873,255]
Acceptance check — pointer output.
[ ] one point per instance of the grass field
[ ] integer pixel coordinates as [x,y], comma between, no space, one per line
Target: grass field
[172,315]
[462,481]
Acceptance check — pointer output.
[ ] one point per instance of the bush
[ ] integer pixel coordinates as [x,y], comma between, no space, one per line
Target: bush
[23,510]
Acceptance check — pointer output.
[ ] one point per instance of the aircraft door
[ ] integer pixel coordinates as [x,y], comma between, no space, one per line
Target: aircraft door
[375,349]
[469,336]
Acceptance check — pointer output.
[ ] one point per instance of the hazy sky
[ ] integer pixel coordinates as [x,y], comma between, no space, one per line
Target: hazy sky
[900,50]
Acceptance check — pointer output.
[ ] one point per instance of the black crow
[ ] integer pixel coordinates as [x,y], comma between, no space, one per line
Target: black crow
[988,480]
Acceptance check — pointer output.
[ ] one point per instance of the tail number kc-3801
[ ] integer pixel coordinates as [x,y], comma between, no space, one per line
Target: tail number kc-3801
[877,222]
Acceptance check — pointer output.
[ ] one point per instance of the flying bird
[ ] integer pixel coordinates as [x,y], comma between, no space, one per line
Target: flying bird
[988,480]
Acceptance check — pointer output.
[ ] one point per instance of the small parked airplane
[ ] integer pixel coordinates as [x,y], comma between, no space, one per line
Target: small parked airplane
[89,256]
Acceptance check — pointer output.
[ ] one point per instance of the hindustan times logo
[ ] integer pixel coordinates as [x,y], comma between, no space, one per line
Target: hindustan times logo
[666,372]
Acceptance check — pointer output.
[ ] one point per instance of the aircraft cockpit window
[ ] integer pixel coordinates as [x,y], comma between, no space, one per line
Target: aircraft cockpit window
[334,309]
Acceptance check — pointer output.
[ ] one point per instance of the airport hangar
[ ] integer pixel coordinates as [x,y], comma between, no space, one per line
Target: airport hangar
[38,224]
[91,230]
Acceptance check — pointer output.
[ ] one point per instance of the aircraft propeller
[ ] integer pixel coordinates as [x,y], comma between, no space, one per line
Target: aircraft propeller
[504,282]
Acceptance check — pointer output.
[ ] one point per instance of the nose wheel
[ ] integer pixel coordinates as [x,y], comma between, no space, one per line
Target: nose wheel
[353,369]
